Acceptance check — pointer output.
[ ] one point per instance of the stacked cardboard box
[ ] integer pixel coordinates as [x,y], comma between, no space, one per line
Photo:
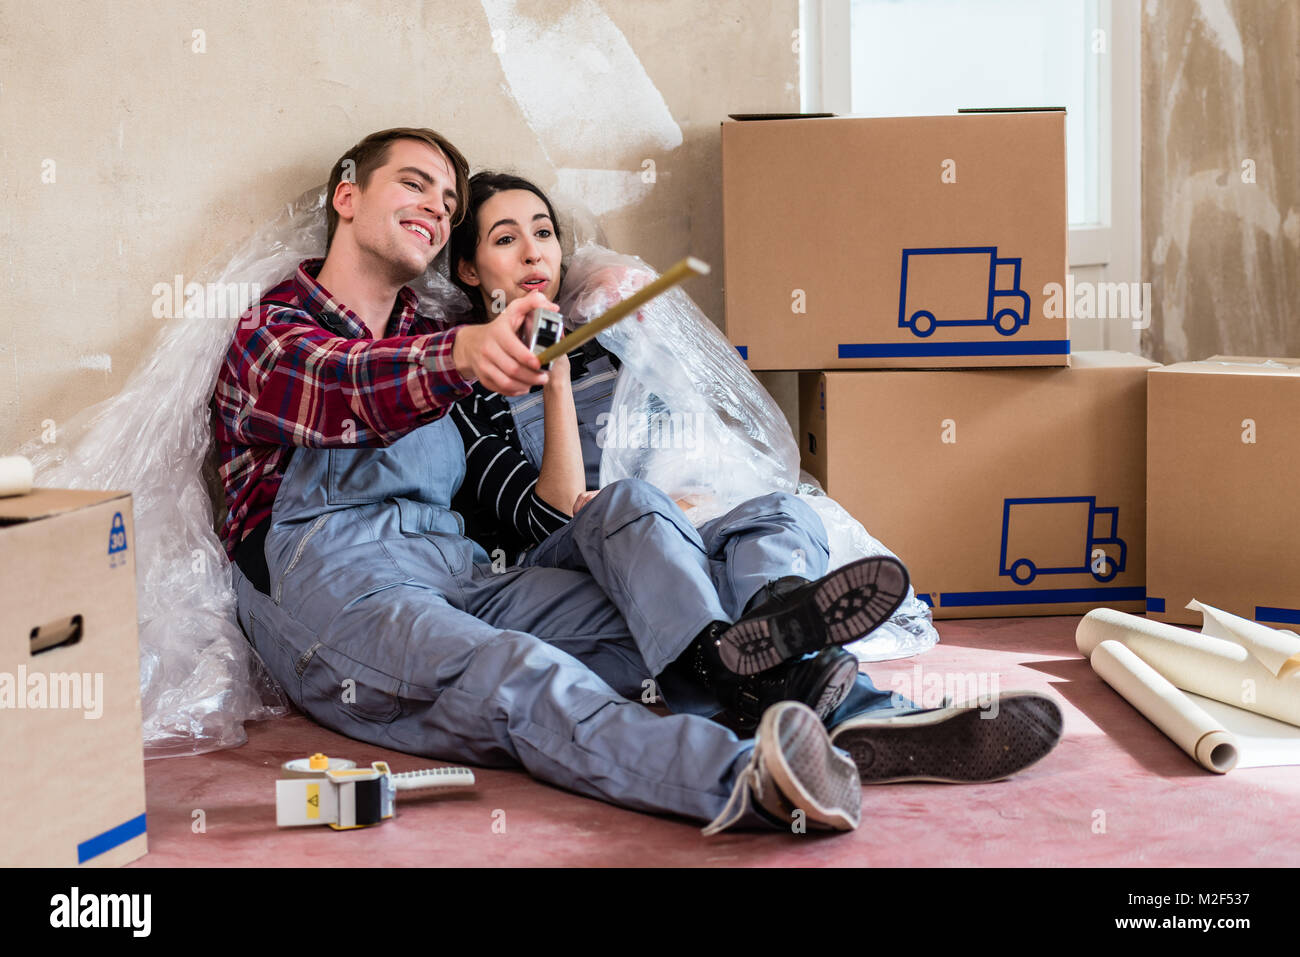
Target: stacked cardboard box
[905,242]
[1223,456]
[1005,491]
[941,243]
[70,727]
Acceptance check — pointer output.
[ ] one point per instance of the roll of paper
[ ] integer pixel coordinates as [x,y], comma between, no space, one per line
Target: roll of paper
[15,475]
[1203,664]
[1188,726]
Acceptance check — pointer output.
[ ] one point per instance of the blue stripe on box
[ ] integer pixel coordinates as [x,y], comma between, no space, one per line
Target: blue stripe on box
[897,350]
[1285,616]
[1155,604]
[110,839]
[744,351]
[1043,596]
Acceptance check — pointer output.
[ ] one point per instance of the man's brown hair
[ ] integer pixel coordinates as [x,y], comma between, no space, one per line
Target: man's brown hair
[372,152]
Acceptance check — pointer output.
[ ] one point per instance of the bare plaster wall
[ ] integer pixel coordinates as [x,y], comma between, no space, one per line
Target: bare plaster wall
[128,155]
[1221,177]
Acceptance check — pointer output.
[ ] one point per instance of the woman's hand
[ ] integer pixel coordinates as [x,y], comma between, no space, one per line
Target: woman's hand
[558,375]
[612,284]
[583,499]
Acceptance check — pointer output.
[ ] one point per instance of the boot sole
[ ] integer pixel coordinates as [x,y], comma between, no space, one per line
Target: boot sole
[836,688]
[847,604]
[954,745]
[810,774]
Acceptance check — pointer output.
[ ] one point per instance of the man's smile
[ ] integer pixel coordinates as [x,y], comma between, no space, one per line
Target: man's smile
[420,228]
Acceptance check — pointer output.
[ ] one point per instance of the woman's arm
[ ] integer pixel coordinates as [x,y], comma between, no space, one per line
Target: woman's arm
[497,475]
[562,477]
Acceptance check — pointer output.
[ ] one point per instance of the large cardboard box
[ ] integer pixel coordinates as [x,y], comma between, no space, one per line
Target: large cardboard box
[72,791]
[899,242]
[1004,491]
[1223,489]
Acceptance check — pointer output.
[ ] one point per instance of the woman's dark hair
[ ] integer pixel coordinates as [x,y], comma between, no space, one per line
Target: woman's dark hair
[464,237]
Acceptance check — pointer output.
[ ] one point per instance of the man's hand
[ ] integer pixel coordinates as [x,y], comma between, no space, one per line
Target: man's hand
[583,499]
[493,353]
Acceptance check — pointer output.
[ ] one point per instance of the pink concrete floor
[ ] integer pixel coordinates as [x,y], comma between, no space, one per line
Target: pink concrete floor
[1115,792]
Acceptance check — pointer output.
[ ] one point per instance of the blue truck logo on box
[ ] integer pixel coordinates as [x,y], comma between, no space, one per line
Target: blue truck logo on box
[1082,537]
[117,541]
[997,301]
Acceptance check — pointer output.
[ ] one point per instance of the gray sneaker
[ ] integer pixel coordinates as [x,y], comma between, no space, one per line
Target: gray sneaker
[987,740]
[794,775]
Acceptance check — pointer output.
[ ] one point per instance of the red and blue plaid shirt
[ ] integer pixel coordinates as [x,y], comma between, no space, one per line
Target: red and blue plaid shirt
[303,369]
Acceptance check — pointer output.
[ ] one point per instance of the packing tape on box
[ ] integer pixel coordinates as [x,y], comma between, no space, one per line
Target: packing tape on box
[1232,671]
[15,475]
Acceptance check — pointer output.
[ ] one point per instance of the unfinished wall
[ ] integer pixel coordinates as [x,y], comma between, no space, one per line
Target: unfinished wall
[138,145]
[1221,177]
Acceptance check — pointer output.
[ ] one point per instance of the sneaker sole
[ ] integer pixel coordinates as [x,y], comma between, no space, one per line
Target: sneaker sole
[847,604]
[809,772]
[954,745]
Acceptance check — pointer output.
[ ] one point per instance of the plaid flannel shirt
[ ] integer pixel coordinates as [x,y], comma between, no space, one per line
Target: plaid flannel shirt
[303,369]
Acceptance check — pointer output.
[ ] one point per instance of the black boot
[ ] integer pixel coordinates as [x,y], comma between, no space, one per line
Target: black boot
[821,681]
[797,617]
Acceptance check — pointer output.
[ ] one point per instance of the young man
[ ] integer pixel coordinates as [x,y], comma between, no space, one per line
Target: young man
[373,611]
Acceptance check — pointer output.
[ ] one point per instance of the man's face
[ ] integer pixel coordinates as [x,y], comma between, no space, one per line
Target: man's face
[402,218]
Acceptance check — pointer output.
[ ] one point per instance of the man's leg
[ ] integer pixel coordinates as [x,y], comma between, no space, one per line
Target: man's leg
[400,668]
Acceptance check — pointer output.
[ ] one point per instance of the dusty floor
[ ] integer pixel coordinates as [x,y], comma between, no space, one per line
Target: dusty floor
[1115,792]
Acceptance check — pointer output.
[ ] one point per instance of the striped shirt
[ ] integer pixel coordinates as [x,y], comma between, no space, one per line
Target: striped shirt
[304,370]
[498,498]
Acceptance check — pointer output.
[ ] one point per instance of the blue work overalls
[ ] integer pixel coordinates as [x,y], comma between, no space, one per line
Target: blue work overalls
[760,540]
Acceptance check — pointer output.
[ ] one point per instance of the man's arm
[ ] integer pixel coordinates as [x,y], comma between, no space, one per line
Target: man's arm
[312,388]
[290,382]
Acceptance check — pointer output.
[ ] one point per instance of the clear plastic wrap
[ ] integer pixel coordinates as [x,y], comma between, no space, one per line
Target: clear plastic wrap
[690,418]
[199,678]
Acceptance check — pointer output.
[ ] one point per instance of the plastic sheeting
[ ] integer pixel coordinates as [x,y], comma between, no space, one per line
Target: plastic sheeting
[690,418]
[200,680]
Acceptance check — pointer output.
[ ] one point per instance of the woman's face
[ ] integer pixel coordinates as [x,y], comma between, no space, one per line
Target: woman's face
[517,252]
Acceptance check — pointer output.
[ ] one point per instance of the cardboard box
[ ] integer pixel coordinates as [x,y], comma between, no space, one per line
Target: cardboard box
[899,242]
[1006,492]
[70,730]
[1223,515]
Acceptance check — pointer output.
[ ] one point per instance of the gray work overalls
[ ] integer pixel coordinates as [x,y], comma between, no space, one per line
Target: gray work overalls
[762,539]
[385,624]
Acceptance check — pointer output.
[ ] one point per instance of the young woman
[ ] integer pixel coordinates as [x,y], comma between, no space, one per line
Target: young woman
[767,557]
[511,248]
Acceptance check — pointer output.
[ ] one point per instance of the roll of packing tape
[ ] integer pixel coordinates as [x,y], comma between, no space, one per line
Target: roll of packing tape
[15,475]
[315,766]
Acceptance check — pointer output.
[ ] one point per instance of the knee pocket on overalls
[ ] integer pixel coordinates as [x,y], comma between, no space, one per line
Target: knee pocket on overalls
[339,685]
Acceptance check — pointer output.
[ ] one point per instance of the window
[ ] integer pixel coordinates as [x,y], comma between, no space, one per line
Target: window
[917,57]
